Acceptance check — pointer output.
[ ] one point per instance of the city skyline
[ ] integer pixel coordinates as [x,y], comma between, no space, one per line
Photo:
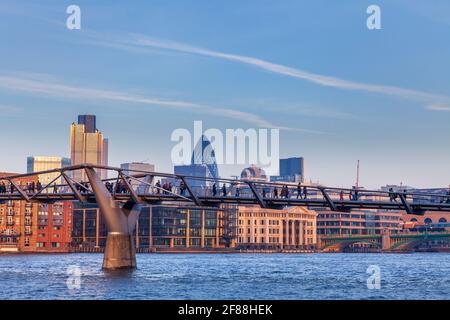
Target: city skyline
[386,106]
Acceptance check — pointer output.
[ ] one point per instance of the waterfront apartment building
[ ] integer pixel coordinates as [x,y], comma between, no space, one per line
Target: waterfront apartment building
[158,227]
[289,228]
[87,145]
[429,222]
[45,163]
[33,227]
[357,222]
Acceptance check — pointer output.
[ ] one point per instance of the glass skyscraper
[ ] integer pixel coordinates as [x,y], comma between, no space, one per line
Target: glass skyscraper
[291,170]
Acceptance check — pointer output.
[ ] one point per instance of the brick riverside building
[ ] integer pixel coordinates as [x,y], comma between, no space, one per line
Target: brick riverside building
[33,227]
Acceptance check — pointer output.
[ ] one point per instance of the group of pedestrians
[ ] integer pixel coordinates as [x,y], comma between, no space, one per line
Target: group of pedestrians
[29,187]
[224,190]
[6,188]
[165,188]
[284,192]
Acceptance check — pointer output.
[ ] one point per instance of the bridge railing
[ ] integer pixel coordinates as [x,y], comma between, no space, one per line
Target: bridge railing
[138,183]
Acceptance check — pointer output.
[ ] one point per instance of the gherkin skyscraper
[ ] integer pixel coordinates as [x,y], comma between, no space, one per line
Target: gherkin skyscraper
[204,154]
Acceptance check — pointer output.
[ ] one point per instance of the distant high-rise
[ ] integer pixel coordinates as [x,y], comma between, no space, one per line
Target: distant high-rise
[89,121]
[140,187]
[40,163]
[291,170]
[87,145]
[203,165]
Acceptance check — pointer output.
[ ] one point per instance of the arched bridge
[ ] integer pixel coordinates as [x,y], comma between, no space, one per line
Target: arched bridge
[121,196]
[382,242]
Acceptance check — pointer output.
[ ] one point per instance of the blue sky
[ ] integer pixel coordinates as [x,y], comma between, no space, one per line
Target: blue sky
[339,91]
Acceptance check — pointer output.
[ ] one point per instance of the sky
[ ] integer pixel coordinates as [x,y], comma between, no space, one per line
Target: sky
[338,91]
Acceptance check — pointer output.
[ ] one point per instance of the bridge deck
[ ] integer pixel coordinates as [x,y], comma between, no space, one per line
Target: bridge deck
[341,205]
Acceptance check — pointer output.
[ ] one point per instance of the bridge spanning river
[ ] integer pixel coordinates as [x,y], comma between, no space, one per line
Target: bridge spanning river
[121,198]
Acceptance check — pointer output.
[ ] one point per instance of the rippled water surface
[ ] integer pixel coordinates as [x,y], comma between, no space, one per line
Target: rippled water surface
[229,276]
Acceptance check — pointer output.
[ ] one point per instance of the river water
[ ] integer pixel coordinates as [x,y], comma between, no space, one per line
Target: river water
[228,276]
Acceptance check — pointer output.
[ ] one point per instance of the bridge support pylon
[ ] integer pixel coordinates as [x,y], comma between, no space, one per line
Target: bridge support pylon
[120,251]
[385,240]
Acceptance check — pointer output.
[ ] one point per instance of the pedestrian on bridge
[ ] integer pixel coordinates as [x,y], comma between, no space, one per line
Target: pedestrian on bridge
[214,190]
[341,195]
[182,188]
[305,193]
[158,187]
[299,190]
[275,192]
[237,191]
[2,187]
[285,192]
[392,195]
[224,190]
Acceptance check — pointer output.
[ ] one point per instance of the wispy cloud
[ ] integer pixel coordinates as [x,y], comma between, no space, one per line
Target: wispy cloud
[47,85]
[439,107]
[137,42]
[4,107]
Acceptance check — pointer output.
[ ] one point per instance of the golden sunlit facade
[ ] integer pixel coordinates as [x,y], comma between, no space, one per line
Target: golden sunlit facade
[87,147]
[290,228]
[45,163]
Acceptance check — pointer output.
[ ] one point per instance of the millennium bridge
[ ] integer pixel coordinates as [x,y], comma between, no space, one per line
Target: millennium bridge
[122,197]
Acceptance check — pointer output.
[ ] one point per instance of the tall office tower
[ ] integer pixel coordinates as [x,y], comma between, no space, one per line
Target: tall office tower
[291,170]
[140,187]
[89,121]
[87,145]
[44,163]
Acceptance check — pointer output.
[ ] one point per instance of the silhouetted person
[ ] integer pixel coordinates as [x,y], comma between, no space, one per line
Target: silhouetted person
[182,188]
[214,189]
[275,192]
[158,187]
[224,190]
[299,190]
[286,191]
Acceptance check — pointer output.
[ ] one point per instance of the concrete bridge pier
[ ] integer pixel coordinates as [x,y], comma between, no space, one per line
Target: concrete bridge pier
[385,240]
[120,251]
